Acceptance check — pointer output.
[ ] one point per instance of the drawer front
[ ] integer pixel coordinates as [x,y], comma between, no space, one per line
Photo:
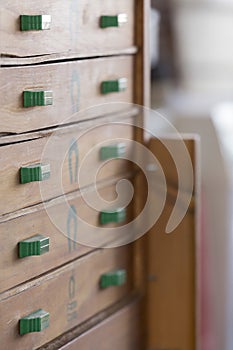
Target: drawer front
[65,153]
[73,25]
[120,331]
[70,295]
[62,224]
[36,97]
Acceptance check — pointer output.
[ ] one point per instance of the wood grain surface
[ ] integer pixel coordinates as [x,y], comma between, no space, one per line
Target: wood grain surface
[59,57]
[70,294]
[74,158]
[76,87]
[120,331]
[65,222]
[75,27]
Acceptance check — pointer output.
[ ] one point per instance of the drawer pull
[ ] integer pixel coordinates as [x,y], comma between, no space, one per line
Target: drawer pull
[39,22]
[109,86]
[113,278]
[37,98]
[36,245]
[111,216]
[34,322]
[113,21]
[112,151]
[34,172]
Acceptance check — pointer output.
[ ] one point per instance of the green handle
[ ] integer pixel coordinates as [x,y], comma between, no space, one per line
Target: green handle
[113,21]
[113,278]
[109,86]
[112,216]
[35,322]
[39,22]
[36,245]
[37,98]
[34,172]
[112,151]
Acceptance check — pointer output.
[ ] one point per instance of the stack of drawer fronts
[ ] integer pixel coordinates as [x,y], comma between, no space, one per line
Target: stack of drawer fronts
[68,74]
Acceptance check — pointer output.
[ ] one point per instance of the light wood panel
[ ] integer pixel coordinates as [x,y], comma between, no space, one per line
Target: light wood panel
[62,223]
[76,87]
[120,331]
[75,27]
[120,117]
[67,151]
[22,61]
[70,294]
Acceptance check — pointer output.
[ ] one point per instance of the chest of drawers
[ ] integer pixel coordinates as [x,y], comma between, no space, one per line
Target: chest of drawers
[73,74]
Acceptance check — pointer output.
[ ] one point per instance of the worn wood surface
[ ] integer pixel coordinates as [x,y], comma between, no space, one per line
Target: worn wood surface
[75,27]
[65,223]
[99,318]
[121,117]
[139,93]
[76,87]
[74,158]
[71,294]
[120,331]
[59,57]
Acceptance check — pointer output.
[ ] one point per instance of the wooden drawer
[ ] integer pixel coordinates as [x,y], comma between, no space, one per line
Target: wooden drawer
[120,331]
[75,27]
[63,223]
[70,294]
[76,87]
[65,151]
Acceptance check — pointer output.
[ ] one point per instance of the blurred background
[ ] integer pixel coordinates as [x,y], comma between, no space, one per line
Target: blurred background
[192,86]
